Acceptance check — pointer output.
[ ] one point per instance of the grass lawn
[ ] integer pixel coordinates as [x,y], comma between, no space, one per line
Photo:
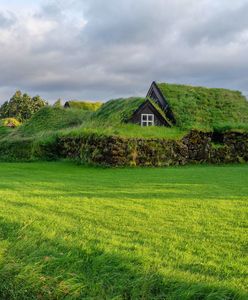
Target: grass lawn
[74,232]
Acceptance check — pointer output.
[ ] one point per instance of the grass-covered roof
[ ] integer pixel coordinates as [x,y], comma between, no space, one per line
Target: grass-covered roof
[118,110]
[85,105]
[121,110]
[205,107]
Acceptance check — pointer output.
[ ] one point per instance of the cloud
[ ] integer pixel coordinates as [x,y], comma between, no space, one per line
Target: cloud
[100,50]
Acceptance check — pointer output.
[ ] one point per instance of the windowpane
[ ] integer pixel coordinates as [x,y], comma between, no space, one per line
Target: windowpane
[147,120]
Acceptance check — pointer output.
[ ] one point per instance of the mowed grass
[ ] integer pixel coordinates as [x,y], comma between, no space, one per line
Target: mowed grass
[74,232]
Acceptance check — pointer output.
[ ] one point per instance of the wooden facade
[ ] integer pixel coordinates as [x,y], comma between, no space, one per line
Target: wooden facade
[158,114]
[147,109]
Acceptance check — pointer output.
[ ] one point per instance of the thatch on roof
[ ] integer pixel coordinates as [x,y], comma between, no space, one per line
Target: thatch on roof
[204,107]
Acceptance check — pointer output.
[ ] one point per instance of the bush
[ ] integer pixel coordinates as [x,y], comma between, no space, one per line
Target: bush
[10,122]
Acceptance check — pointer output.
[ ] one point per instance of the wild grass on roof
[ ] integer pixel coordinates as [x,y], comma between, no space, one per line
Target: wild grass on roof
[118,110]
[85,105]
[200,107]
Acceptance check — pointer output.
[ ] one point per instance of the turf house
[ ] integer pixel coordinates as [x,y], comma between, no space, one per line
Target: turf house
[184,106]
[173,105]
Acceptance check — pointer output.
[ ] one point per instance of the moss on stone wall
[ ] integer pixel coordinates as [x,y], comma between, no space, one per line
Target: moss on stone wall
[194,148]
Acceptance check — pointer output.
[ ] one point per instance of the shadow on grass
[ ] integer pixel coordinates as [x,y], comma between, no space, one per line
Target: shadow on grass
[33,267]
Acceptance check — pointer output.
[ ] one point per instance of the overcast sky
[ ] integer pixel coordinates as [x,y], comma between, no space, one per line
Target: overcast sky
[98,50]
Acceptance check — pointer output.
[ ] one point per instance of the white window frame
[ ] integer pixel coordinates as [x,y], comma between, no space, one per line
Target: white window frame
[145,120]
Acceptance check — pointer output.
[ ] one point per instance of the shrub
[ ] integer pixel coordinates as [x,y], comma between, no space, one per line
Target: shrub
[10,122]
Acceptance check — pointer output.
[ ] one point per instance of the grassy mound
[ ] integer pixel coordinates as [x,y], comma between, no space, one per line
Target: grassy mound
[53,119]
[200,107]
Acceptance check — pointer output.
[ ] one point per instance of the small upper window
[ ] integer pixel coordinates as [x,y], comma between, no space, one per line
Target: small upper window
[147,120]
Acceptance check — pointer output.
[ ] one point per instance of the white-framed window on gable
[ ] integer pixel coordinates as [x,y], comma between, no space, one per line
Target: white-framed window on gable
[147,120]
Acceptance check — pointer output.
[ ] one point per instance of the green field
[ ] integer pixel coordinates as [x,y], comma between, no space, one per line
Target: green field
[74,232]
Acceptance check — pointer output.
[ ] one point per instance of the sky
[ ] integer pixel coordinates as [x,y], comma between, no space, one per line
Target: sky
[100,50]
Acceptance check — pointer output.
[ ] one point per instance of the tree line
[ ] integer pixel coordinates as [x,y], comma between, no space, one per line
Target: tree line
[22,106]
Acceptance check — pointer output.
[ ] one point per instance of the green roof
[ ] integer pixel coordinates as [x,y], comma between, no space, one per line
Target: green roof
[121,110]
[118,110]
[159,109]
[85,105]
[205,107]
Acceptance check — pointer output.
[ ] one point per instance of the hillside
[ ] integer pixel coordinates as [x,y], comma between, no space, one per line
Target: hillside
[205,108]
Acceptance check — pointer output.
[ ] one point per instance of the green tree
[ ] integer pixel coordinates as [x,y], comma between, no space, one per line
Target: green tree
[21,106]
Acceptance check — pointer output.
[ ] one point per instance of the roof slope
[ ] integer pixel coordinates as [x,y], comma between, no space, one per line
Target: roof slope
[205,107]
[121,110]
[118,110]
[85,105]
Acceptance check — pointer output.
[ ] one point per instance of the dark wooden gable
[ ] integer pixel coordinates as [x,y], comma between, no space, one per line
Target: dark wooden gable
[155,94]
[148,108]
[67,104]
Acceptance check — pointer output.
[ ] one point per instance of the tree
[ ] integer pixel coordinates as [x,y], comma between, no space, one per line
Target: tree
[21,106]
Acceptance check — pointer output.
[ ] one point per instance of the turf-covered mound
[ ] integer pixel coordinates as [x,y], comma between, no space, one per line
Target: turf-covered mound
[85,105]
[52,119]
[118,110]
[205,107]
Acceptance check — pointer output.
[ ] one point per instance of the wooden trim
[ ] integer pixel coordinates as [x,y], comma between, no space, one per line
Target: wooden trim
[169,114]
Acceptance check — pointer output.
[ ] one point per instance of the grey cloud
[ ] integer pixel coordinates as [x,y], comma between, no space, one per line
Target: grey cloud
[219,27]
[123,47]
[6,20]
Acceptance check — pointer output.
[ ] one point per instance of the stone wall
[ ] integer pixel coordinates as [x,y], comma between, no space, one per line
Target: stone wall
[196,147]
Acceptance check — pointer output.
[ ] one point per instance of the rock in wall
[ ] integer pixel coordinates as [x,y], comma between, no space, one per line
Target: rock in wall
[195,147]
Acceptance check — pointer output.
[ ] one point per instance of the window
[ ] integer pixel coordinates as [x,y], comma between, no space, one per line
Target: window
[147,120]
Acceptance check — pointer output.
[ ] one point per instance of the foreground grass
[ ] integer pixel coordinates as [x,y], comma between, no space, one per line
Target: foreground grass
[73,232]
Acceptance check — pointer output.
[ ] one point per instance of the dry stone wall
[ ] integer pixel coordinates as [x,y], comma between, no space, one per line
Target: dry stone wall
[196,147]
